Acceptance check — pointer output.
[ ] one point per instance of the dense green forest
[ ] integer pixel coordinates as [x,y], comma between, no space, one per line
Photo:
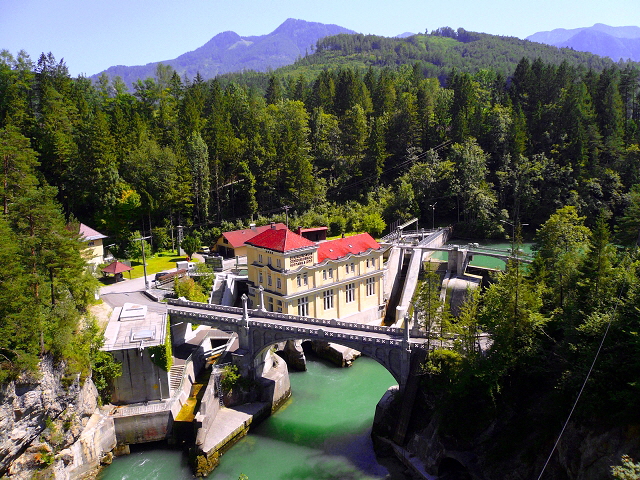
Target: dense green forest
[564,335]
[551,142]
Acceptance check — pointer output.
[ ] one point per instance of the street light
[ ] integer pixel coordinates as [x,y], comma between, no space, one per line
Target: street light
[144,263]
[433,216]
[513,232]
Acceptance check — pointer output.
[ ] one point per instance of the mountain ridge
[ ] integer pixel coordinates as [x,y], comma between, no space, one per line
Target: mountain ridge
[617,43]
[229,52]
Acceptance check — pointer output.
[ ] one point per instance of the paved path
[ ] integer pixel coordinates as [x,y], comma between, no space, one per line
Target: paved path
[129,291]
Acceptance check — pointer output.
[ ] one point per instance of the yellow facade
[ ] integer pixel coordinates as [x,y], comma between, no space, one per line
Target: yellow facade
[296,283]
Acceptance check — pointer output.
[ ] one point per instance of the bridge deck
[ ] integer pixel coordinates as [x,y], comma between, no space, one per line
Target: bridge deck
[335,331]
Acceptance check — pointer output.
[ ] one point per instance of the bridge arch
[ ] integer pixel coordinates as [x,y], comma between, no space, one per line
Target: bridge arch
[386,345]
[390,359]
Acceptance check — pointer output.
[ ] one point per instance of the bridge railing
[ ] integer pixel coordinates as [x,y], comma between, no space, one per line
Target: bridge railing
[394,331]
[305,331]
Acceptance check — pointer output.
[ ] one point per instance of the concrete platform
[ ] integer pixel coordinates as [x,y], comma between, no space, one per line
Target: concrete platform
[231,422]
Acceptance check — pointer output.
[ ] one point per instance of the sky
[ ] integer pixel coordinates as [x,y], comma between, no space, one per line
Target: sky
[92,35]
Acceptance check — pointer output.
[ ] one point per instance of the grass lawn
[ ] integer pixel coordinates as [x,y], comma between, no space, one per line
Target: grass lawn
[158,263]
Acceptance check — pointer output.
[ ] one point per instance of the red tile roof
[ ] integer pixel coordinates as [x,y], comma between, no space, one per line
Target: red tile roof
[280,240]
[334,249]
[237,238]
[116,267]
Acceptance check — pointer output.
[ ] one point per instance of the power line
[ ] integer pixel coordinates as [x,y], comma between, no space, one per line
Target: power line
[584,384]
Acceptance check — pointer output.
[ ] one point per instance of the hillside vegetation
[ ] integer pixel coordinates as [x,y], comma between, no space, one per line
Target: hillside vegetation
[371,138]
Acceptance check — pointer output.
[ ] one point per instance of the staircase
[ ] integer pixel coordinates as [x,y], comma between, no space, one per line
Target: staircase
[175,376]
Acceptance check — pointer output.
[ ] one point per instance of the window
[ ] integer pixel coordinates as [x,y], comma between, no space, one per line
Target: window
[259,258]
[324,274]
[260,279]
[303,306]
[269,260]
[278,283]
[371,286]
[353,267]
[350,292]
[269,280]
[270,304]
[91,243]
[305,280]
[367,263]
[279,305]
[278,264]
[327,296]
[331,273]
[298,280]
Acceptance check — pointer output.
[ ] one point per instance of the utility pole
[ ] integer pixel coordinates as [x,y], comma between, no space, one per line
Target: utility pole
[144,262]
[286,210]
[433,215]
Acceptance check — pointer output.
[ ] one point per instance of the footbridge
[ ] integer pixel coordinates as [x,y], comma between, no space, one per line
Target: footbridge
[258,330]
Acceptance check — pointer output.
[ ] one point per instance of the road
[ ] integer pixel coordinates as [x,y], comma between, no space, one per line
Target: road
[129,291]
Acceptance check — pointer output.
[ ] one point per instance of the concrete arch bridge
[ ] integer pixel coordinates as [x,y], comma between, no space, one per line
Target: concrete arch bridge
[258,330]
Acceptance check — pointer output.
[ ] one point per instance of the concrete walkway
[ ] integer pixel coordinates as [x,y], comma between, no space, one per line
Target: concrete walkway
[231,422]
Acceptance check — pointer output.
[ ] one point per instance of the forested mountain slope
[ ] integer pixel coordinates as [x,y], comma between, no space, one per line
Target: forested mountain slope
[229,52]
[364,139]
[439,52]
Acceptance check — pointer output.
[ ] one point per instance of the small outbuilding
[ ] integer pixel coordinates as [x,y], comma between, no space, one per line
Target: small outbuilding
[116,269]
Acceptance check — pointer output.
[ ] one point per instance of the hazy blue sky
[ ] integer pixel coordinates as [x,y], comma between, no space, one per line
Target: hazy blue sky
[92,35]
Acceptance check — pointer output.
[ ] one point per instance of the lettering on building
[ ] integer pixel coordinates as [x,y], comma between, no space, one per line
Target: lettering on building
[301,260]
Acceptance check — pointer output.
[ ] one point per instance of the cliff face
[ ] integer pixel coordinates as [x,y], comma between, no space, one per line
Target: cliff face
[41,418]
[584,452]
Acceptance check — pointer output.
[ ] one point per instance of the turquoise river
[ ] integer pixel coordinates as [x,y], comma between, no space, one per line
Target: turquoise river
[322,432]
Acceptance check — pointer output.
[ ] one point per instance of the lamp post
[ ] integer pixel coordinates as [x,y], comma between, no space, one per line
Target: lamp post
[513,233]
[144,262]
[433,216]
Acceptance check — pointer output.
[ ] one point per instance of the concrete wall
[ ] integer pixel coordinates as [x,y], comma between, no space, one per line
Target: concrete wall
[276,387]
[141,379]
[150,427]
[392,268]
[209,408]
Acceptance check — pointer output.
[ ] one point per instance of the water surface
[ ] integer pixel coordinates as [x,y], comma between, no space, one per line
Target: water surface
[323,432]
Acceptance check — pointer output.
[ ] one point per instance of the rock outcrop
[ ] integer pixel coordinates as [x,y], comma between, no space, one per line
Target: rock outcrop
[584,452]
[41,420]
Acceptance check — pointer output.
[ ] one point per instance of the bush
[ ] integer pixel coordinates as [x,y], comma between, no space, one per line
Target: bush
[162,355]
[188,288]
[230,377]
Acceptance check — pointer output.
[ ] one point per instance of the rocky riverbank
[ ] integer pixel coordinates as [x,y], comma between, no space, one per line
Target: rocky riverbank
[584,451]
[46,426]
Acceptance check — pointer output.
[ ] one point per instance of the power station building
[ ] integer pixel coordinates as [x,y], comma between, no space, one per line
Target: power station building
[339,279]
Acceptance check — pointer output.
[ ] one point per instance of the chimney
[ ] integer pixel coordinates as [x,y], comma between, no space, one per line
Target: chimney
[299,230]
[273,225]
[252,226]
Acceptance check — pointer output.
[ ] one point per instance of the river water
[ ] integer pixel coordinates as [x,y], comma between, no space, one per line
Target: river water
[481,260]
[322,432]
